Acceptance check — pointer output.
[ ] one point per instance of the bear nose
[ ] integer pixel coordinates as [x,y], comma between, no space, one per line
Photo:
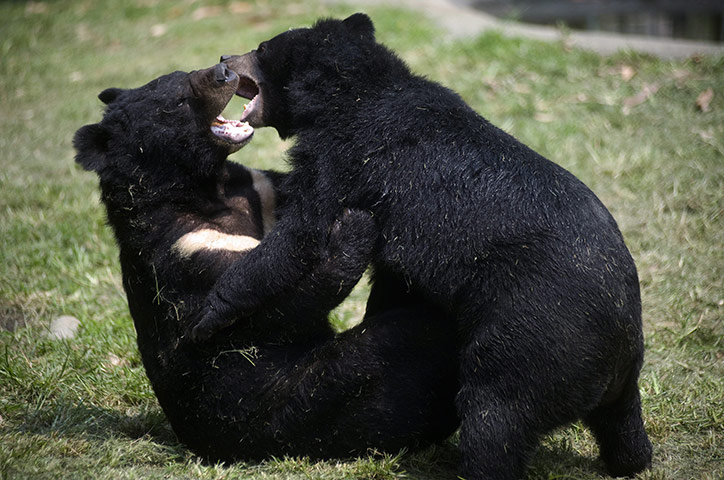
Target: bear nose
[225,58]
[222,73]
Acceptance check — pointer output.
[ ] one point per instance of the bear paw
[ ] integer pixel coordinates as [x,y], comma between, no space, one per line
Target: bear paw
[216,315]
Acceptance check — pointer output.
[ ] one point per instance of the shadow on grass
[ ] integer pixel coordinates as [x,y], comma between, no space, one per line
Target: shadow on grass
[551,461]
[442,462]
[94,422]
[438,462]
[98,425]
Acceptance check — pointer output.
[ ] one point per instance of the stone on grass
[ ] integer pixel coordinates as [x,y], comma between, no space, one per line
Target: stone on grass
[63,327]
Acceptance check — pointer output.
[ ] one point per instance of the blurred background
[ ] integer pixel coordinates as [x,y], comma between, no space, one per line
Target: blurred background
[685,19]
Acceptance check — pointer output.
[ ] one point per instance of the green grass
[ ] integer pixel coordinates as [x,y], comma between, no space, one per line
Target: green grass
[82,408]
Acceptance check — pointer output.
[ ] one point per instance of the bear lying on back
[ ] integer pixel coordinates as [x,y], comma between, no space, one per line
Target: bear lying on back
[527,263]
[282,383]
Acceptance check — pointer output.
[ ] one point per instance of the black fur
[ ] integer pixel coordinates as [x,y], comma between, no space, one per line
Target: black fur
[525,260]
[281,383]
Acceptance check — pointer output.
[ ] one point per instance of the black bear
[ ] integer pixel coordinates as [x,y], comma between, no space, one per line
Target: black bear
[522,257]
[282,383]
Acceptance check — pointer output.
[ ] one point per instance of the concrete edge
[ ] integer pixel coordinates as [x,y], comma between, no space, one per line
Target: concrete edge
[461,21]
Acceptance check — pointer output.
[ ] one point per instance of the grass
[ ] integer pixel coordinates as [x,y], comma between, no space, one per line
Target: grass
[82,408]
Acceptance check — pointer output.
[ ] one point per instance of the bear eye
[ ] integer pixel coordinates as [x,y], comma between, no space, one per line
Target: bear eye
[261,48]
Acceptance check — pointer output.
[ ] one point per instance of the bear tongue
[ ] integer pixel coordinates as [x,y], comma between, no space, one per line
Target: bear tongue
[233,131]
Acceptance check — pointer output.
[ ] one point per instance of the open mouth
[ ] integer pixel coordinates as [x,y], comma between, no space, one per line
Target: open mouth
[236,132]
[213,88]
[248,89]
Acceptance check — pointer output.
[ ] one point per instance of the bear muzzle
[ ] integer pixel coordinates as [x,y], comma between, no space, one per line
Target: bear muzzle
[250,79]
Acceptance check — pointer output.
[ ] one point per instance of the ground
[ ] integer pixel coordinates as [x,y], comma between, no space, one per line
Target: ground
[84,405]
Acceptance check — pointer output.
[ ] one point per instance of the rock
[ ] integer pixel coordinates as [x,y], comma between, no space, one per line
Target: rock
[63,327]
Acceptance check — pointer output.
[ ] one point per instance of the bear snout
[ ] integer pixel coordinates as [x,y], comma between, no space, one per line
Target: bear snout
[223,74]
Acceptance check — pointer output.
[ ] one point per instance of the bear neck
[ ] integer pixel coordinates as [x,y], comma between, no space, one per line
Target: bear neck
[143,203]
[319,101]
[356,137]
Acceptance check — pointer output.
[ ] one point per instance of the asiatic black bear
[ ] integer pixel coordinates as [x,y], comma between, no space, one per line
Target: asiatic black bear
[281,383]
[524,260]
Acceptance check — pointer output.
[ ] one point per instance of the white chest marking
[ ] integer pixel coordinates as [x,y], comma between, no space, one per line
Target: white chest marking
[209,239]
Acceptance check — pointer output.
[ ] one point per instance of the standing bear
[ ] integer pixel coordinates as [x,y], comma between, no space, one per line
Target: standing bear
[524,260]
[281,383]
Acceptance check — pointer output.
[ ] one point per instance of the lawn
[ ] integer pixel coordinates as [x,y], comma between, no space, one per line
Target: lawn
[644,134]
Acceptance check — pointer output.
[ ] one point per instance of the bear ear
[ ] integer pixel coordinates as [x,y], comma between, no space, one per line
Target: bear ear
[109,95]
[360,24]
[91,146]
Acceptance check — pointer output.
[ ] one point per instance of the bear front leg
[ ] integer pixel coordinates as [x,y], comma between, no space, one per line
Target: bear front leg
[278,263]
[343,261]
[287,264]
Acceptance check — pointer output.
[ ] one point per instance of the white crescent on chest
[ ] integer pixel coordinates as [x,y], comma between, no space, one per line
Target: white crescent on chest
[208,239]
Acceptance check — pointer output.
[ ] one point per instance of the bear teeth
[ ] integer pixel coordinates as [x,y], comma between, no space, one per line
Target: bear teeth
[220,121]
[233,131]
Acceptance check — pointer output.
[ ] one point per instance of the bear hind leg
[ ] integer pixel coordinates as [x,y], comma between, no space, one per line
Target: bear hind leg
[619,430]
[495,442]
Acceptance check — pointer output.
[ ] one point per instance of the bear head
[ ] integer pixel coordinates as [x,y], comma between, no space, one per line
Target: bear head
[170,126]
[296,77]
